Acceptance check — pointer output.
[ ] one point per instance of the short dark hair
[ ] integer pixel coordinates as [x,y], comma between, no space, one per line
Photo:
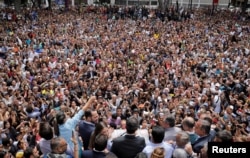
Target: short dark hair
[206,126]
[132,125]
[170,120]
[60,117]
[28,152]
[45,131]
[113,125]
[224,135]
[114,116]
[209,119]
[101,141]
[5,141]
[87,113]
[5,123]
[118,108]
[158,134]
[29,108]
[3,153]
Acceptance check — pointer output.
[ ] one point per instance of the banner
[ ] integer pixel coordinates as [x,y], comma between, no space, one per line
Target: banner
[215,1]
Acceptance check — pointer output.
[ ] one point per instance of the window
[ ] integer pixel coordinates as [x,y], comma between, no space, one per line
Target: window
[154,2]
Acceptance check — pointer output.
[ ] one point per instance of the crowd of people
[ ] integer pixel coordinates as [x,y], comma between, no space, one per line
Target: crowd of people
[98,83]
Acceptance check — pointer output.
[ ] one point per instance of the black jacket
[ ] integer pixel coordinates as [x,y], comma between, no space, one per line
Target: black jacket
[128,146]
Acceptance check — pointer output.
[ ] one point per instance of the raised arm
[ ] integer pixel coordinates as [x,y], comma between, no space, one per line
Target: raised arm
[78,115]
[89,103]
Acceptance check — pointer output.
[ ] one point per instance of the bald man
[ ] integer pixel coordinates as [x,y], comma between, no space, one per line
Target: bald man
[188,126]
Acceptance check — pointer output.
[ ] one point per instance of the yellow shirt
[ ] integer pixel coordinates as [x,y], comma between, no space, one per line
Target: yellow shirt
[44,92]
[156,35]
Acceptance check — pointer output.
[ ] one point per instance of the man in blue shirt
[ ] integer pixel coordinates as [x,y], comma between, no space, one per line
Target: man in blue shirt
[66,125]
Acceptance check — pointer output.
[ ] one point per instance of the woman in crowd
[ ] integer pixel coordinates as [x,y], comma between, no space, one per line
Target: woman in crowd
[100,128]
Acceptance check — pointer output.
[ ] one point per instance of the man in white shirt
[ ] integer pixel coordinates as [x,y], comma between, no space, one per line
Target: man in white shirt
[158,133]
[216,99]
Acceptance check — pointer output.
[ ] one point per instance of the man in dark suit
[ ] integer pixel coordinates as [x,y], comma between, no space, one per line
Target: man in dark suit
[87,126]
[129,145]
[100,148]
[202,129]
